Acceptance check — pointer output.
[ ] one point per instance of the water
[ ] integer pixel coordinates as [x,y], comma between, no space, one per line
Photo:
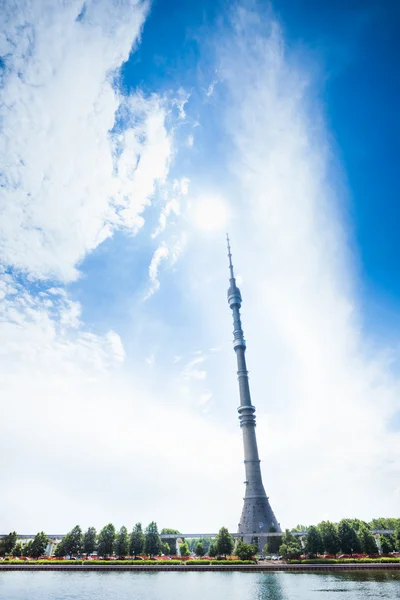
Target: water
[55,585]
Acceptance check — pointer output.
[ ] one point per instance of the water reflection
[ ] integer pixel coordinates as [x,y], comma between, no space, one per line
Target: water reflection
[369,575]
[351,585]
[270,587]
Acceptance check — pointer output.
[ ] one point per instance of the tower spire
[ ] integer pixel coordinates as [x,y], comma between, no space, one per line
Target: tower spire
[230,257]
[257,514]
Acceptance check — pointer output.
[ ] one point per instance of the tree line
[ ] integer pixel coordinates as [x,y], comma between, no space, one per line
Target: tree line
[349,536]
[106,543]
[110,542]
[10,546]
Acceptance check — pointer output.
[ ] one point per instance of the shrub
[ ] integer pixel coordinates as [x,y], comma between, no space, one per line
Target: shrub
[233,562]
[134,562]
[245,551]
[329,561]
[318,561]
[45,561]
[387,559]
[98,562]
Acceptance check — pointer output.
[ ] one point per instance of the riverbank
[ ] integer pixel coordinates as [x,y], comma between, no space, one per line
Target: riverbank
[254,568]
[263,585]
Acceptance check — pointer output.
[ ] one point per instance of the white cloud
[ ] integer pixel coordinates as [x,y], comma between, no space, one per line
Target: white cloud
[329,393]
[182,98]
[75,431]
[210,89]
[43,330]
[150,360]
[205,398]
[191,370]
[177,246]
[143,153]
[66,182]
[164,253]
[172,247]
[116,345]
[172,206]
[159,255]
[75,428]
[181,186]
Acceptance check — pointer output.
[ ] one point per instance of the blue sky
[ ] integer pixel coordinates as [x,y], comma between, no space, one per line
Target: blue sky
[355,45]
[131,143]
[352,47]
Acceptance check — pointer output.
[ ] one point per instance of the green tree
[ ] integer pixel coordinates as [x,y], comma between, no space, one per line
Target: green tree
[290,551]
[367,540]
[392,542]
[122,543]
[212,551]
[291,546]
[166,550]
[27,548]
[273,542]
[7,543]
[152,542]
[396,538]
[106,540]
[314,543]
[330,537]
[89,541]
[300,528]
[18,550]
[136,542]
[60,550]
[38,545]
[224,542]
[386,544]
[348,539]
[382,523]
[73,541]
[192,542]
[245,551]
[356,524]
[170,541]
[289,538]
[392,523]
[184,549]
[199,549]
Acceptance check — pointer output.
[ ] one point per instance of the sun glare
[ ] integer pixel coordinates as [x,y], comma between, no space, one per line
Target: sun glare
[210,213]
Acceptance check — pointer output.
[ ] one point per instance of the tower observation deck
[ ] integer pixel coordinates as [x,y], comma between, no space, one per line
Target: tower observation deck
[257,515]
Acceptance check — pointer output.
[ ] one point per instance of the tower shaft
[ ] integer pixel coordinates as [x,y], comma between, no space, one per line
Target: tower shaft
[257,514]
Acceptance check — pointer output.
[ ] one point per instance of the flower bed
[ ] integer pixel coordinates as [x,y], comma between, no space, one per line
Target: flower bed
[331,561]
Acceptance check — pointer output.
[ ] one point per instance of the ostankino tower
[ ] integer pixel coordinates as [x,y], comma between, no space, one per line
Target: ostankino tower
[257,514]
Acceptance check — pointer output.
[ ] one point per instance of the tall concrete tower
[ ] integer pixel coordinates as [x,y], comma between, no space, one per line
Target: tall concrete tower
[257,514]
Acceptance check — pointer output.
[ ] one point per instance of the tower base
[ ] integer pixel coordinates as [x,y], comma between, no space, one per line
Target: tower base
[257,517]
